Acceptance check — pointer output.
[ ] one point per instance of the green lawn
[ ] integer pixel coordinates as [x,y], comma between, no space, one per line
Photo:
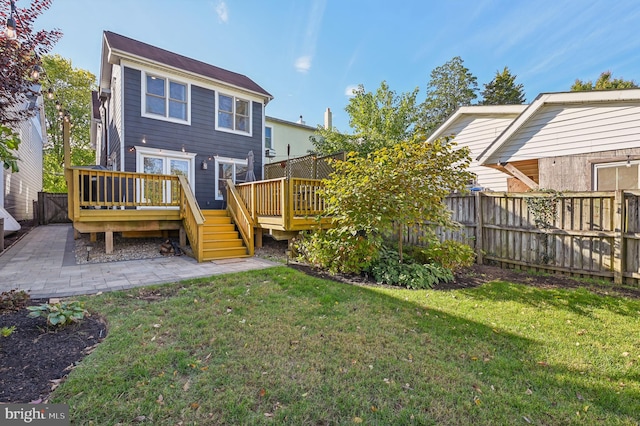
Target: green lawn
[279,347]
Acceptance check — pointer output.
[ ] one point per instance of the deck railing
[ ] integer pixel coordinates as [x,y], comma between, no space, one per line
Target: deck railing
[238,210]
[92,188]
[286,204]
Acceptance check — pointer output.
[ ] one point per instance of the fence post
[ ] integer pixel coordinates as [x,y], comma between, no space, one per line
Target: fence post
[479,228]
[618,239]
[1,234]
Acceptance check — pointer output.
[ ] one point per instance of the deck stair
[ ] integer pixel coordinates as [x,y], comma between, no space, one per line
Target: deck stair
[221,240]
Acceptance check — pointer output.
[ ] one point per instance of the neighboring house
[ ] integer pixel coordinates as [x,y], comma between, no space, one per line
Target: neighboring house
[476,127]
[574,141]
[20,189]
[282,135]
[160,112]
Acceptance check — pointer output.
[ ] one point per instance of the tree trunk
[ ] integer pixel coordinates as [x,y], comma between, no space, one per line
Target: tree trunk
[400,237]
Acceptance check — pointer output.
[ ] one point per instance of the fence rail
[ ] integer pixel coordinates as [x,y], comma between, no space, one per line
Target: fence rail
[585,233]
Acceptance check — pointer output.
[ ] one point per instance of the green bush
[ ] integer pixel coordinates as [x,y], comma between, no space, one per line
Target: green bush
[388,269]
[59,314]
[337,250]
[450,254]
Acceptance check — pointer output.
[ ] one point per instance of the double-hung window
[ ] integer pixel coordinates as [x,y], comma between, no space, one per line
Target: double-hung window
[233,114]
[268,137]
[166,98]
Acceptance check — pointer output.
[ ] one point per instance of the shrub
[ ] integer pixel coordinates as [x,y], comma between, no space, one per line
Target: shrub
[337,250]
[13,300]
[59,314]
[450,254]
[389,270]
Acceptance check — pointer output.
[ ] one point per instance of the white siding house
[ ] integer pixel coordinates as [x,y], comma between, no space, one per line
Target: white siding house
[576,141]
[20,189]
[476,127]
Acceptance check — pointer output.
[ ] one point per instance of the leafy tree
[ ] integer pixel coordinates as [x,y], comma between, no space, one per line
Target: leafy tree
[604,82]
[503,90]
[18,59]
[72,88]
[9,142]
[378,119]
[451,86]
[399,184]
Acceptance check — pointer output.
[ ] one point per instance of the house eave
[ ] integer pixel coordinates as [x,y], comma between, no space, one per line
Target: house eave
[557,98]
[479,111]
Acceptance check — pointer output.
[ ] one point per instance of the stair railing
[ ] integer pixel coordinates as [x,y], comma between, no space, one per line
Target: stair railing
[240,215]
[192,219]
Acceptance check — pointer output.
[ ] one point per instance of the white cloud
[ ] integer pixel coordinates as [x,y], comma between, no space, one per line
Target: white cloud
[349,90]
[303,64]
[311,34]
[223,12]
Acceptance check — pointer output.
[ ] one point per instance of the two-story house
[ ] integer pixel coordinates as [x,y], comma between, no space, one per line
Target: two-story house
[161,112]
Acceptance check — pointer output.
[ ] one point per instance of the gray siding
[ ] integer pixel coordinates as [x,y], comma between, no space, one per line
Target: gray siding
[115,119]
[200,137]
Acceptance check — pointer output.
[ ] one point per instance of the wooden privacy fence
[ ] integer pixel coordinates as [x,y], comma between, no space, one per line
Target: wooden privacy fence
[595,234]
[52,208]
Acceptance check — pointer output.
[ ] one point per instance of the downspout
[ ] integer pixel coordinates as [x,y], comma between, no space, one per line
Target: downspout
[104,155]
[264,146]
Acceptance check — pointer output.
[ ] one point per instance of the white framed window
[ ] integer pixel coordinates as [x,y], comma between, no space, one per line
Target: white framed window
[164,98]
[164,162]
[615,176]
[229,168]
[268,137]
[233,114]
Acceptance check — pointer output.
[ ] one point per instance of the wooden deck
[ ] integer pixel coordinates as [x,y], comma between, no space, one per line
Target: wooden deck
[109,201]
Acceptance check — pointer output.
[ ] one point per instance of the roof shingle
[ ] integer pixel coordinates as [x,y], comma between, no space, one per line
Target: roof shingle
[156,54]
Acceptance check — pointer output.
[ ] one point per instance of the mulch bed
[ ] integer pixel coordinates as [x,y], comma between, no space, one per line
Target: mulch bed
[35,358]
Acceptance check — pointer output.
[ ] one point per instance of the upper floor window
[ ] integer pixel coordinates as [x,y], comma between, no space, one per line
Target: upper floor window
[234,114]
[166,98]
[268,137]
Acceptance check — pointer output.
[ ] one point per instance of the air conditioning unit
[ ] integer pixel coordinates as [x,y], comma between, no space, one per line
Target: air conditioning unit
[269,152]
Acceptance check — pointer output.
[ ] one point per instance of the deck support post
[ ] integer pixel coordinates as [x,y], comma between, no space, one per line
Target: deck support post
[258,234]
[108,242]
[183,237]
[93,237]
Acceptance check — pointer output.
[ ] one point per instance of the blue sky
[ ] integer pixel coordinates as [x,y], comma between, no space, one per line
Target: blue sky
[309,53]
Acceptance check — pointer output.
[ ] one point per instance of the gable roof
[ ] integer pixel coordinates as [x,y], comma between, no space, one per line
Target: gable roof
[559,98]
[476,110]
[116,47]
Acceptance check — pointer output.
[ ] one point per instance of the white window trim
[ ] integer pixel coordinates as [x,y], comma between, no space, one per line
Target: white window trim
[142,151]
[265,138]
[225,160]
[167,78]
[610,165]
[242,98]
